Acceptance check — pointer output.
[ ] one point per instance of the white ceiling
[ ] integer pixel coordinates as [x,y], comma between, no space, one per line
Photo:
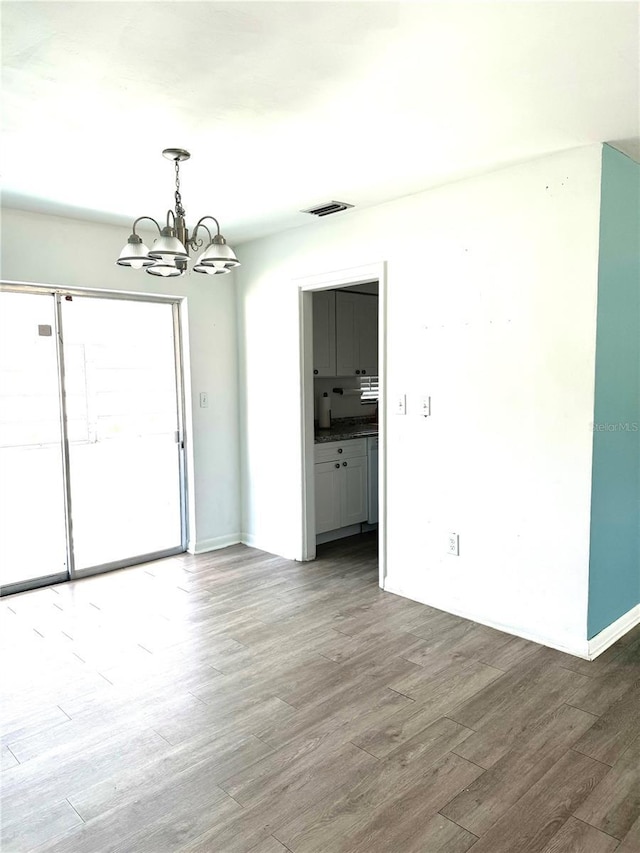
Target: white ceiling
[284,105]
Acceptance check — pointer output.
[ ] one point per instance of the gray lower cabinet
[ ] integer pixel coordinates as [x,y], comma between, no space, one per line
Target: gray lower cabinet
[341,484]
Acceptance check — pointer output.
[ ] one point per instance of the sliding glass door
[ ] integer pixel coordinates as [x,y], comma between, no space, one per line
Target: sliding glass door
[123,429]
[91,435]
[33,541]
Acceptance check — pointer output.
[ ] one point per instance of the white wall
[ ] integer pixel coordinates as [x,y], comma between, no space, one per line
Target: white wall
[491,310]
[68,252]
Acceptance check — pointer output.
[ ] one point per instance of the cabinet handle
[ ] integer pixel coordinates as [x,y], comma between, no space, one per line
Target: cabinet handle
[358,372]
[338,464]
[364,371]
[315,372]
[339,450]
[344,464]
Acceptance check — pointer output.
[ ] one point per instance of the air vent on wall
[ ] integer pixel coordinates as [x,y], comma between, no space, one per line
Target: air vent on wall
[327,208]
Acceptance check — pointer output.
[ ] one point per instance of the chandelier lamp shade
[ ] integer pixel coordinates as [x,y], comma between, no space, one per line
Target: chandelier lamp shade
[169,255]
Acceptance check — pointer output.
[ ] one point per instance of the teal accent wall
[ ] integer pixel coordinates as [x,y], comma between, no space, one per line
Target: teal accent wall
[614,564]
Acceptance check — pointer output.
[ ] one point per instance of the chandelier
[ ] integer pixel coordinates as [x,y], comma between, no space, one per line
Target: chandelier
[169,254]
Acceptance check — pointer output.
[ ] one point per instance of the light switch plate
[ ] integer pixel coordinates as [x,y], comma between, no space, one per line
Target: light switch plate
[453,544]
[401,404]
[204,400]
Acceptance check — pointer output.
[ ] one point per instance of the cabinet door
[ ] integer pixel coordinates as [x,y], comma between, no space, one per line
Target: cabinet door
[353,491]
[372,485]
[324,333]
[328,479]
[356,334]
[346,333]
[367,330]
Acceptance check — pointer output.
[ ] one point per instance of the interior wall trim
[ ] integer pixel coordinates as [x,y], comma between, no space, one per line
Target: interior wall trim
[216,543]
[565,644]
[613,632]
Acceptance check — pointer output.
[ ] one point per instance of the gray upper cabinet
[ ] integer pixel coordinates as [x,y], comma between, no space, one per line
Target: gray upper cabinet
[324,333]
[356,334]
[345,333]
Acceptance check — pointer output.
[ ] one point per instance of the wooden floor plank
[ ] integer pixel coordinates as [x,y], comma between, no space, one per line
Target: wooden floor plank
[336,821]
[499,733]
[238,702]
[43,782]
[506,698]
[536,817]
[631,841]
[609,684]
[614,806]
[357,707]
[7,759]
[158,820]
[410,825]
[615,730]
[44,824]
[217,757]
[269,845]
[445,690]
[274,773]
[578,837]
[480,805]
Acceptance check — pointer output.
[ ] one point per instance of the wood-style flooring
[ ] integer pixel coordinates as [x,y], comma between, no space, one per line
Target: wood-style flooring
[236,702]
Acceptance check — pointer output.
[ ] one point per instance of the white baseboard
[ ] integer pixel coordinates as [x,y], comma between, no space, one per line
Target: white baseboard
[268,547]
[612,633]
[248,539]
[339,533]
[568,645]
[204,545]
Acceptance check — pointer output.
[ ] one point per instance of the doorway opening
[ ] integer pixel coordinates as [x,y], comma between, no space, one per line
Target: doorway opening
[343,369]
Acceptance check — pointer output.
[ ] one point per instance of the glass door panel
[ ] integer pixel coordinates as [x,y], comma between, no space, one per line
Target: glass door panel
[122,415]
[32,509]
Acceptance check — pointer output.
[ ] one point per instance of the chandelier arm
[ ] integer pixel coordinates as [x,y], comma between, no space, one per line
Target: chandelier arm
[194,242]
[171,213]
[200,221]
[140,218]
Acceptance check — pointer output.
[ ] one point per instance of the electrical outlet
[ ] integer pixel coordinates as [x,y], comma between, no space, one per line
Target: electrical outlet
[453,544]
[204,400]
[401,404]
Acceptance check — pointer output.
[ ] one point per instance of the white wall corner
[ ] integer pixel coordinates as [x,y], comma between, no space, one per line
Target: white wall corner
[216,543]
[255,541]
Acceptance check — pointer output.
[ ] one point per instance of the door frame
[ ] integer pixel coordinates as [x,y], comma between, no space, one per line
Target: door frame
[185,462]
[364,274]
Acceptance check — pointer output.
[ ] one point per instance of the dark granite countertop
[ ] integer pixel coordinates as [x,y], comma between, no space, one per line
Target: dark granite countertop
[344,428]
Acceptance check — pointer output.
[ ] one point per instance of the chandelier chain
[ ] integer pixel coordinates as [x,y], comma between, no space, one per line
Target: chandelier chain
[179,208]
